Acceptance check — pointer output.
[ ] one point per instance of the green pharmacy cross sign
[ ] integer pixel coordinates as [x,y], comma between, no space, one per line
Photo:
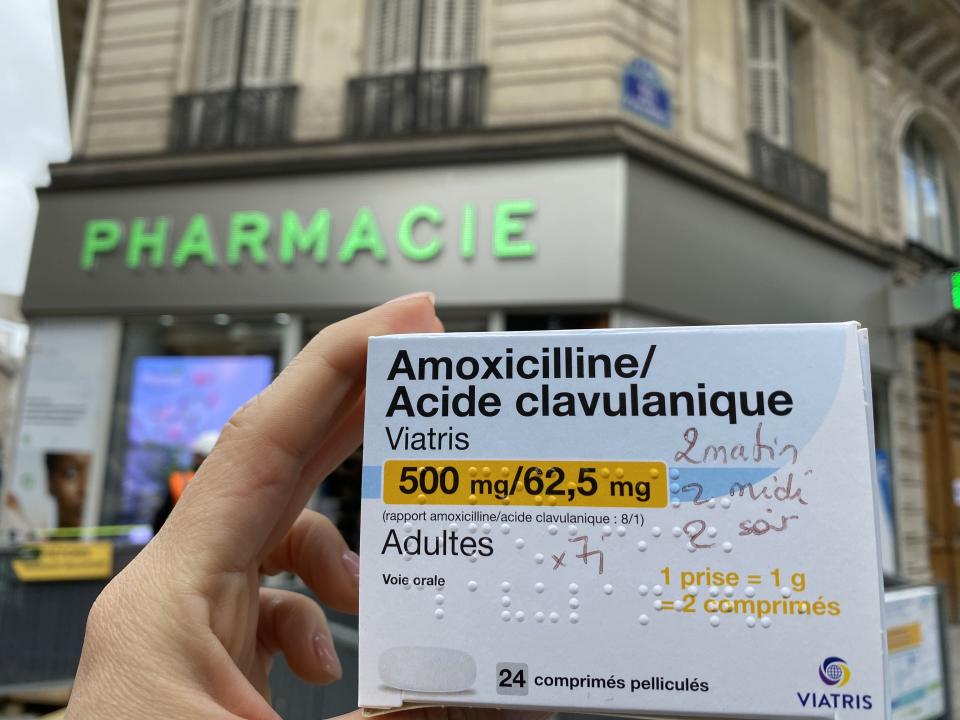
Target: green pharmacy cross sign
[420,235]
[955,289]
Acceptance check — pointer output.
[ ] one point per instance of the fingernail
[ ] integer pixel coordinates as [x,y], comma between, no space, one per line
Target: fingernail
[351,561]
[410,296]
[323,646]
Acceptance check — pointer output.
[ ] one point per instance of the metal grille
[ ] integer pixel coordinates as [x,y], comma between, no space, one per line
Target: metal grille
[431,101]
[789,176]
[249,117]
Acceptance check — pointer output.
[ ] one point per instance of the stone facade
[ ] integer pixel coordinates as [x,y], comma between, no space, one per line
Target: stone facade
[864,70]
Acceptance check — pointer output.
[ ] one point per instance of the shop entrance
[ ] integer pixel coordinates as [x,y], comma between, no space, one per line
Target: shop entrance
[938,397]
[179,381]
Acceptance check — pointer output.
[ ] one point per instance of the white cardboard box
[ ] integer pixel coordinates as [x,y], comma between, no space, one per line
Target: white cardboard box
[657,521]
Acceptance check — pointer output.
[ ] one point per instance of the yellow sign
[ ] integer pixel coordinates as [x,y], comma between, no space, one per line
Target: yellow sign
[549,483]
[904,637]
[64,561]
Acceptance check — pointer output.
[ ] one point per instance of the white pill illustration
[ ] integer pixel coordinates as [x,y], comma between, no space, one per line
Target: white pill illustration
[427,669]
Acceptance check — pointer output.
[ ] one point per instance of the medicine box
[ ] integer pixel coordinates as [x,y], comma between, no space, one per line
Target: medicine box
[655,521]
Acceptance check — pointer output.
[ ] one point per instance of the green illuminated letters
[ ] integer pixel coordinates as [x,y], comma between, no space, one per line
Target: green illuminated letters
[294,238]
[508,226]
[289,236]
[154,242]
[196,242]
[248,230]
[363,235]
[468,232]
[100,236]
[419,251]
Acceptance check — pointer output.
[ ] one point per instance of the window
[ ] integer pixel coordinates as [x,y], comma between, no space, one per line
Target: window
[781,65]
[411,35]
[929,210]
[267,52]
[422,74]
[244,97]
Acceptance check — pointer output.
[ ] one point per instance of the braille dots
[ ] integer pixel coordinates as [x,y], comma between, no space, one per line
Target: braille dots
[573,588]
[505,529]
[438,599]
[642,546]
[505,616]
[751,621]
[552,529]
[505,586]
[538,558]
[574,618]
[643,590]
[608,589]
[655,531]
[538,587]
[438,613]
[472,586]
[573,603]
[715,620]
[519,543]
[643,619]
[727,547]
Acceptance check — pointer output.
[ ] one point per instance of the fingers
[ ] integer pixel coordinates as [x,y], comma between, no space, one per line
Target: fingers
[338,446]
[314,550]
[293,624]
[244,489]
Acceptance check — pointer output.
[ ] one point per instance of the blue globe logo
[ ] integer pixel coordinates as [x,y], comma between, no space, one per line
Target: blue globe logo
[835,672]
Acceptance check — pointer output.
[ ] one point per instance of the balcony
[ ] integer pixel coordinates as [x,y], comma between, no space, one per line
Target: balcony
[789,176]
[243,118]
[416,103]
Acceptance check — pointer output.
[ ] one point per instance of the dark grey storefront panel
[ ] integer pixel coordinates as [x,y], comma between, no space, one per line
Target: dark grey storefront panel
[576,228]
[706,259]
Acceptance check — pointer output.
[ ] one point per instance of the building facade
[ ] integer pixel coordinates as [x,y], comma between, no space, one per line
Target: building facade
[246,171]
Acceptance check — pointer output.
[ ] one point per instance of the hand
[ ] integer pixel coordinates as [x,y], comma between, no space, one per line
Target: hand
[186,631]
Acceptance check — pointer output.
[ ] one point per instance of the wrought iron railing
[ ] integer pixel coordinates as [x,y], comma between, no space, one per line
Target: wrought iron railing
[789,176]
[245,117]
[414,103]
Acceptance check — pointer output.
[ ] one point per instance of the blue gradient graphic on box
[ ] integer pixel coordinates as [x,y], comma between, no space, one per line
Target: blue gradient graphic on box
[673,521]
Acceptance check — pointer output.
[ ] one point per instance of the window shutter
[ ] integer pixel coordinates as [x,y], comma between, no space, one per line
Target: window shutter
[769,87]
[269,48]
[391,47]
[449,33]
[221,36]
